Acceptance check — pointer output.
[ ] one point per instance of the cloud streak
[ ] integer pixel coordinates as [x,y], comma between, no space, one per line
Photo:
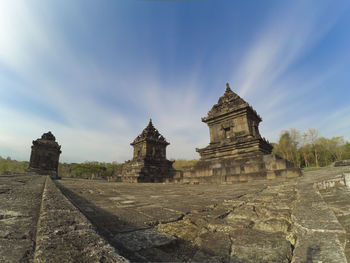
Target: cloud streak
[282,41]
[96,108]
[270,74]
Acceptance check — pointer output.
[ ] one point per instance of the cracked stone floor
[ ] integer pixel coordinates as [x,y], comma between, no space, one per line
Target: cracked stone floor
[246,222]
[305,219]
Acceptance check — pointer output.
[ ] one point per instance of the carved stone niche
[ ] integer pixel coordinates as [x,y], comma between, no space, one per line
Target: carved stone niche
[45,155]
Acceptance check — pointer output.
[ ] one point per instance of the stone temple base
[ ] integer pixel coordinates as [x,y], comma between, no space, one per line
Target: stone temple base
[53,174]
[230,170]
[145,171]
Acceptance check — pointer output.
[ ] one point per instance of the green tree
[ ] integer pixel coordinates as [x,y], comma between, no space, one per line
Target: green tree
[179,164]
[287,146]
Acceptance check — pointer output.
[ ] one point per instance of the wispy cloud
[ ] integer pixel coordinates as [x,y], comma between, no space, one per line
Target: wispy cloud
[284,39]
[97,110]
[78,143]
[270,75]
[91,130]
[27,48]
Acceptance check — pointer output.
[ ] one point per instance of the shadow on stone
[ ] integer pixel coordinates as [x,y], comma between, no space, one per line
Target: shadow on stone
[311,253]
[138,244]
[205,235]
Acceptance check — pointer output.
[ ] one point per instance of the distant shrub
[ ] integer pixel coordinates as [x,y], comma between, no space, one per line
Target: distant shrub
[13,166]
[89,170]
[181,163]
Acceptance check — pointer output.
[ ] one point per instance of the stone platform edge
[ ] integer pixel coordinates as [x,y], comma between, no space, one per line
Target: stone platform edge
[320,237]
[64,234]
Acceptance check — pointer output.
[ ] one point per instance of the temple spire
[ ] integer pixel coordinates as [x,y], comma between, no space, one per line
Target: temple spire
[150,125]
[228,87]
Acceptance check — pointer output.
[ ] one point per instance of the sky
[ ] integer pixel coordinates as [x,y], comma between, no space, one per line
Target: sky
[95,72]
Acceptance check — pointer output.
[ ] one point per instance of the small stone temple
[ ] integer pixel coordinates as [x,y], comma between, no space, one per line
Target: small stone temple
[45,155]
[236,151]
[233,127]
[149,163]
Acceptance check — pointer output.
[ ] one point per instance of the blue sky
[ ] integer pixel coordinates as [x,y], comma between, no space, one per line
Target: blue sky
[94,72]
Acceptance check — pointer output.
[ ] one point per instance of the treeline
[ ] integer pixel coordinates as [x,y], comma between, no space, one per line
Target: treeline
[9,165]
[304,149]
[97,170]
[308,149]
[89,170]
[86,170]
[181,163]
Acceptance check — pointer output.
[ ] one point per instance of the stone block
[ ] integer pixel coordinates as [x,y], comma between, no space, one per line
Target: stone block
[143,239]
[318,247]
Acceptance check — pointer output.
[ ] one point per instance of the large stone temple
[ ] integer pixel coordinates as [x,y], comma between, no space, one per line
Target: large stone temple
[149,163]
[236,151]
[45,155]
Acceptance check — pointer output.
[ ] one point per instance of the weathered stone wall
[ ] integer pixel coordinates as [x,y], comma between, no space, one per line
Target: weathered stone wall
[342,163]
[65,235]
[147,170]
[230,170]
[20,200]
[233,126]
[39,224]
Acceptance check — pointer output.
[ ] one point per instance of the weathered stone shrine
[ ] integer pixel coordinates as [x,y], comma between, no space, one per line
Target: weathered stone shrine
[236,151]
[45,155]
[233,126]
[149,163]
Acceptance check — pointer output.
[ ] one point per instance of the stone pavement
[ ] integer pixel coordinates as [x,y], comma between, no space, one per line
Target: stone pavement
[20,200]
[283,220]
[134,216]
[338,199]
[287,220]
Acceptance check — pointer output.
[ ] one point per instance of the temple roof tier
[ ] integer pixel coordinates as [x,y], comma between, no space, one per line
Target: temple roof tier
[229,102]
[151,134]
